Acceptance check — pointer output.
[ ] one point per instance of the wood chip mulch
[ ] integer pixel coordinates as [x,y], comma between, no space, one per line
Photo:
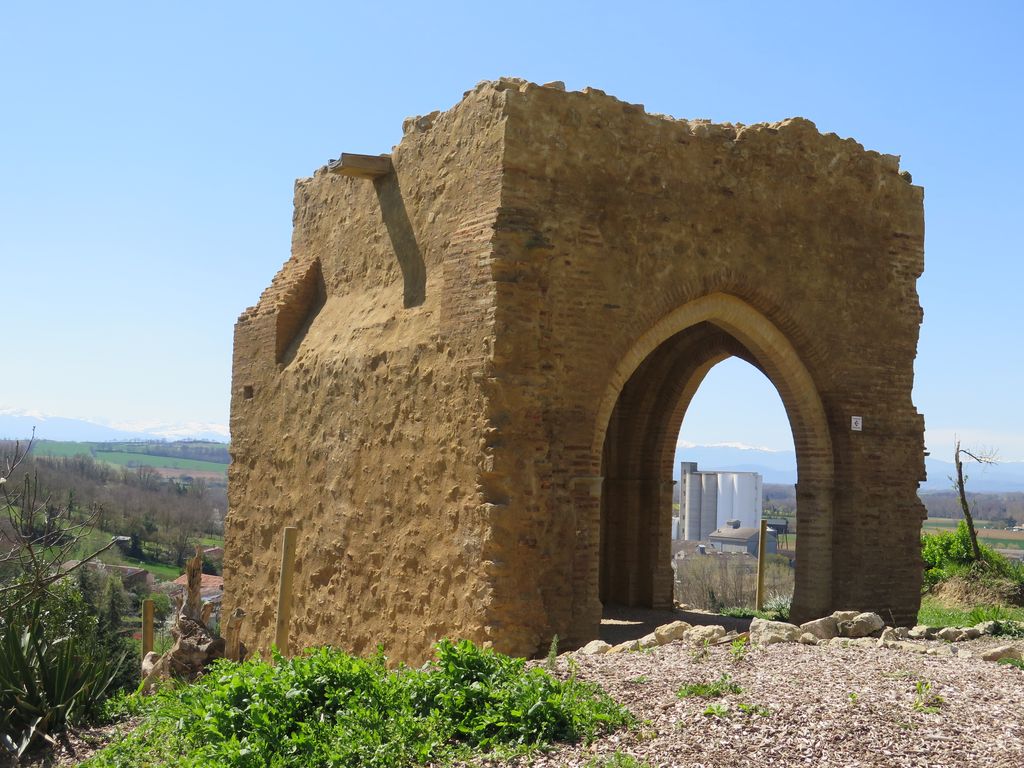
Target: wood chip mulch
[825,706]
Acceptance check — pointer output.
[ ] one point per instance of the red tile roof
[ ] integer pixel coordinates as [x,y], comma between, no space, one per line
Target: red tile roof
[209,581]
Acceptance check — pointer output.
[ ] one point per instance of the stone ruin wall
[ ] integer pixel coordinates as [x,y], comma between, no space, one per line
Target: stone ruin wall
[443,460]
[358,419]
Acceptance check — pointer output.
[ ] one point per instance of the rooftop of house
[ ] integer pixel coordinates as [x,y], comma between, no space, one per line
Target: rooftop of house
[737,534]
[208,584]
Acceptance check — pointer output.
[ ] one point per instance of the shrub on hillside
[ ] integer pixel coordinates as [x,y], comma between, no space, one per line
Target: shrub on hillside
[949,554]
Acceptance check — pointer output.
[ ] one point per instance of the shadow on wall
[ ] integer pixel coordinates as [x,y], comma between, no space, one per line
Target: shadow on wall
[403,239]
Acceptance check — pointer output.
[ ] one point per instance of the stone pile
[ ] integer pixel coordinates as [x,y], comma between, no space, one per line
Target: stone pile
[868,630]
[840,629]
[666,633]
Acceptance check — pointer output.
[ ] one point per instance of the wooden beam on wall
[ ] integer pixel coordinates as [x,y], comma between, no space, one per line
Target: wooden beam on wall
[361,166]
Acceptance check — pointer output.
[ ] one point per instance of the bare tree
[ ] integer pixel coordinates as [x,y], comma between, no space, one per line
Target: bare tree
[960,486]
[37,536]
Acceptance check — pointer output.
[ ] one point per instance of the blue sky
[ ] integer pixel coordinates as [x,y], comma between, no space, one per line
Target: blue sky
[149,153]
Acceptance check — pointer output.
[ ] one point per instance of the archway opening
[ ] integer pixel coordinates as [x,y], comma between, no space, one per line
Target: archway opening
[649,394]
[734,465]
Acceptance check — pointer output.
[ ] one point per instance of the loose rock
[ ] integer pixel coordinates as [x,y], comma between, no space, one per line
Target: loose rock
[824,628]
[861,625]
[595,648]
[666,633]
[763,632]
[1002,652]
[705,634]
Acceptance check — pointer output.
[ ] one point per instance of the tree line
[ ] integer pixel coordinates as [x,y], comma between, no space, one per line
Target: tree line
[160,517]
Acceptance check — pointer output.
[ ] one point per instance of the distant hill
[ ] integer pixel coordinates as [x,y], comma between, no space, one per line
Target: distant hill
[18,425]
[779,467]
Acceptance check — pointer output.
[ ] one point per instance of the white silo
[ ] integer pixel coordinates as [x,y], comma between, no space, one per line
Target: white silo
[689,500]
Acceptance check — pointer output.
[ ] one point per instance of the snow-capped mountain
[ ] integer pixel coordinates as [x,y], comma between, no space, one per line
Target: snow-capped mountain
[18,425]
[779,467]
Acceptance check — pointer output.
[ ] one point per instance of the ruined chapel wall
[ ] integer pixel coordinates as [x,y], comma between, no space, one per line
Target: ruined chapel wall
[364,432]
[611,218]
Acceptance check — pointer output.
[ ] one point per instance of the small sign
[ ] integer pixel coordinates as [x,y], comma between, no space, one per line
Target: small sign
[857,423]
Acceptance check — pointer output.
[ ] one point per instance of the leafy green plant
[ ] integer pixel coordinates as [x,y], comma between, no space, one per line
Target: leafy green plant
[933,614]
[853,697]
[738,648]
[640,680]
[738,612]
[327,708]
[716,710]
[925,698]
[1008,629]
[982,613]
[720,687]
[1018,663]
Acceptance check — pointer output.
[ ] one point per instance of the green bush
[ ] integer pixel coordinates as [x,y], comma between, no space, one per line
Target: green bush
[778,605]
[327,708]
[949,554]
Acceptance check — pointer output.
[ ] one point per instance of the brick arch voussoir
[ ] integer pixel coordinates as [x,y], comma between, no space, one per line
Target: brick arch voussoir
[812,348]
[652,392]
[776,355]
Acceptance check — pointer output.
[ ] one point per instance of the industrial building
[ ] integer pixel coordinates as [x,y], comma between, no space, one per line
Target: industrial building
[708,499]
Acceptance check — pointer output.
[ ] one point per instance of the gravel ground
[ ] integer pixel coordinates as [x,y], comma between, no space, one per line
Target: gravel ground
[825,706]
[822,706]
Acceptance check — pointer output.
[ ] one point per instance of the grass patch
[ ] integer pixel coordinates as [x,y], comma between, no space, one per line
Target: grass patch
[327,708]
[714,689]
[933,614]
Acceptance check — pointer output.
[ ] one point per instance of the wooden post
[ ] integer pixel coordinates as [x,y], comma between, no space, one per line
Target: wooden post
[762,540]
[232,639]
[284,595]
[147,626]
[192,608]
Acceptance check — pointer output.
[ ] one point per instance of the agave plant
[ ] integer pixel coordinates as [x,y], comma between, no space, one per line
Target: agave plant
[46,684]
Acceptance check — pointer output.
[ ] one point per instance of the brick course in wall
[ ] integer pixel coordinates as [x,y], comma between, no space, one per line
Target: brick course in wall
[465,386]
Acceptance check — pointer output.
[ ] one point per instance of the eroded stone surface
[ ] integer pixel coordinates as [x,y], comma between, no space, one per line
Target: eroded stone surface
[465,384]
[763,632]
[595,648]
[675,630]
[705,634]
[824,628]
[861,625]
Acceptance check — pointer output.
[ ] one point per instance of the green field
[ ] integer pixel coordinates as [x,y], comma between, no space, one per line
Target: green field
[948,523]
[60,448]
[998,538]
[127,455]
[132,459]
